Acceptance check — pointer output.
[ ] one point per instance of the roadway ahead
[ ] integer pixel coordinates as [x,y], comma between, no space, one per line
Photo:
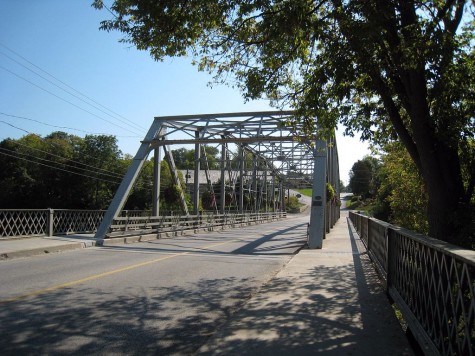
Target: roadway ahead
[160,297]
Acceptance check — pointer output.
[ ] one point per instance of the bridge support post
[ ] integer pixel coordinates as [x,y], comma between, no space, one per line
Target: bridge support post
[156,181]
[317,212]
[222,188]
[241,179]
[196,190]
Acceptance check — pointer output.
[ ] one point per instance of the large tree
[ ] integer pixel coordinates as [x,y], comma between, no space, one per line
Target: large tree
[394,69]
[361,176]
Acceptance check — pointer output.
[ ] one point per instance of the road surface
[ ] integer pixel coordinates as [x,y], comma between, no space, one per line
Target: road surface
[165,296]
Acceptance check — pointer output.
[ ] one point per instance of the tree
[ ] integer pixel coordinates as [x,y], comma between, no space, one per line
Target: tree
[402,190]
[393,70]
[185,159]
[361,176]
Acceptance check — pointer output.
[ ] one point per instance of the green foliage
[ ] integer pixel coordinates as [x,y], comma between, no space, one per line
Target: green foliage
[185,158]
[363,175]
[208,200]
[293,204]
[66,171]
[330,192]
[402,190]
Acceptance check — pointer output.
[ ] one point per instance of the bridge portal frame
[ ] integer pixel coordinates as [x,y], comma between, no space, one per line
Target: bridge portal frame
[281,150]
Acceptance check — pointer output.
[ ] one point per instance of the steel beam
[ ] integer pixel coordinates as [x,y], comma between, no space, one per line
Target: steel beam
[128,182]
[317,212]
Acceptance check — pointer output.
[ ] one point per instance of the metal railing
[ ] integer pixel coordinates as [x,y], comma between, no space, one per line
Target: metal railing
[178,224]
[431,281]
[49,222]
[16,223]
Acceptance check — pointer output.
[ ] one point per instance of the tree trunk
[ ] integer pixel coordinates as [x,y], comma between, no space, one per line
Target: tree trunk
[449,218]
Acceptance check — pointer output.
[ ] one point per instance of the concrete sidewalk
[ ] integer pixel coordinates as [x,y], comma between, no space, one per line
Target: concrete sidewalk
[327,301]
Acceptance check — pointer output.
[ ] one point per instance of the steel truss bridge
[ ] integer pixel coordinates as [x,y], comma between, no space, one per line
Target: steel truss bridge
[261,154]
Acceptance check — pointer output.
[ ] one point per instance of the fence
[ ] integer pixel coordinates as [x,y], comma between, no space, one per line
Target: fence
[49,222]
[176,224]
[431,281]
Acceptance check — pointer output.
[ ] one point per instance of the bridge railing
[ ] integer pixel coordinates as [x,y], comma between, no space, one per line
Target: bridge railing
[178,224]
[48,222]
[432,283]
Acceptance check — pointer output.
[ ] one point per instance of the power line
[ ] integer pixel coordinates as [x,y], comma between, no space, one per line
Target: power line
[64,170]
[50,161]
[55,126]
[108,173]
[32,133]
[57,168]
[117,116]
[65,100]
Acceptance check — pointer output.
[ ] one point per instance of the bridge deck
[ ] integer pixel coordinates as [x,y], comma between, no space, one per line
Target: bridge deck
[327,301]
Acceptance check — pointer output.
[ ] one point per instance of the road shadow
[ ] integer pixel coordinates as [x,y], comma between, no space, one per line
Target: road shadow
[171,320]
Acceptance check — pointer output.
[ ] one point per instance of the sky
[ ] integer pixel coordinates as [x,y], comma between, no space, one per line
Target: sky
[59,72]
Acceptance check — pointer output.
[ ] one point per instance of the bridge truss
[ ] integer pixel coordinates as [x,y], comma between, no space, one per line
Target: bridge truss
[261,154]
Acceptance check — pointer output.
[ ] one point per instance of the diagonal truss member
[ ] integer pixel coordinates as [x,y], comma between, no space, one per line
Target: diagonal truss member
[277,151]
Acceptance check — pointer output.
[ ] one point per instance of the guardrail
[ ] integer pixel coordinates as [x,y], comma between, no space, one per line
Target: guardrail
[431,281]
[173,225]
[16,223]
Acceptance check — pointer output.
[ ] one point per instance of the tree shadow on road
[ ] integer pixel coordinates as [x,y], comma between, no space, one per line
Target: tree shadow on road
[158,321]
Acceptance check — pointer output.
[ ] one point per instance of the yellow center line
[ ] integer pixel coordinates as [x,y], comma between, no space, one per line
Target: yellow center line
[105,274]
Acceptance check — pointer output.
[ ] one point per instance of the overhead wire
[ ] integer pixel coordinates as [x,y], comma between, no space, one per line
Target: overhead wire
[16,154]
[134,126]
[50,161]
[108,173]
[58,127]
[32,133]
[63,99]
[53,167]
[114,114]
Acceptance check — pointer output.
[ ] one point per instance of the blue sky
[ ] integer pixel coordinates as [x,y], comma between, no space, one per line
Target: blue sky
[60,40]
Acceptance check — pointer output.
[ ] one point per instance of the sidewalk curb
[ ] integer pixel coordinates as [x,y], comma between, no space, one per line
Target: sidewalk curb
[43,250]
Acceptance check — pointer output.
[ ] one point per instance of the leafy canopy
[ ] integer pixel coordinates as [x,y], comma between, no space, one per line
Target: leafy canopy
[347,61]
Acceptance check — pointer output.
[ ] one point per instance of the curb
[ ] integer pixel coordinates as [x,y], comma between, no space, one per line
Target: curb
[44,250]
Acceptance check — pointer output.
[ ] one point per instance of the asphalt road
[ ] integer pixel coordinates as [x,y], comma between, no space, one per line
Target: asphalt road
[163,297]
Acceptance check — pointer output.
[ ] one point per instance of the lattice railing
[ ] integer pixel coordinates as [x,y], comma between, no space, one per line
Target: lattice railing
[176,224]
[76,221]
[18,222]
[47,222]
[431,281]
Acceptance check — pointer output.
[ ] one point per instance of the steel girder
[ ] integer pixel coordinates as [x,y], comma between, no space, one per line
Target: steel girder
[279,149]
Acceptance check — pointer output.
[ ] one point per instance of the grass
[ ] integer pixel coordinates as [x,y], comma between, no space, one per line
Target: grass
[306,191]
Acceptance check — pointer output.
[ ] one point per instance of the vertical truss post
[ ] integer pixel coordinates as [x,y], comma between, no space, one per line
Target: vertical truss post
[317,213]
[222,198]
[281,195]
[241,179]
[266,190]
[273,190]
[254,181]
[196,190]
[156,182]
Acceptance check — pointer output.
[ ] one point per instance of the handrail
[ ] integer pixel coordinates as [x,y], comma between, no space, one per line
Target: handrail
[431,281]
[16,223]
[175,224]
